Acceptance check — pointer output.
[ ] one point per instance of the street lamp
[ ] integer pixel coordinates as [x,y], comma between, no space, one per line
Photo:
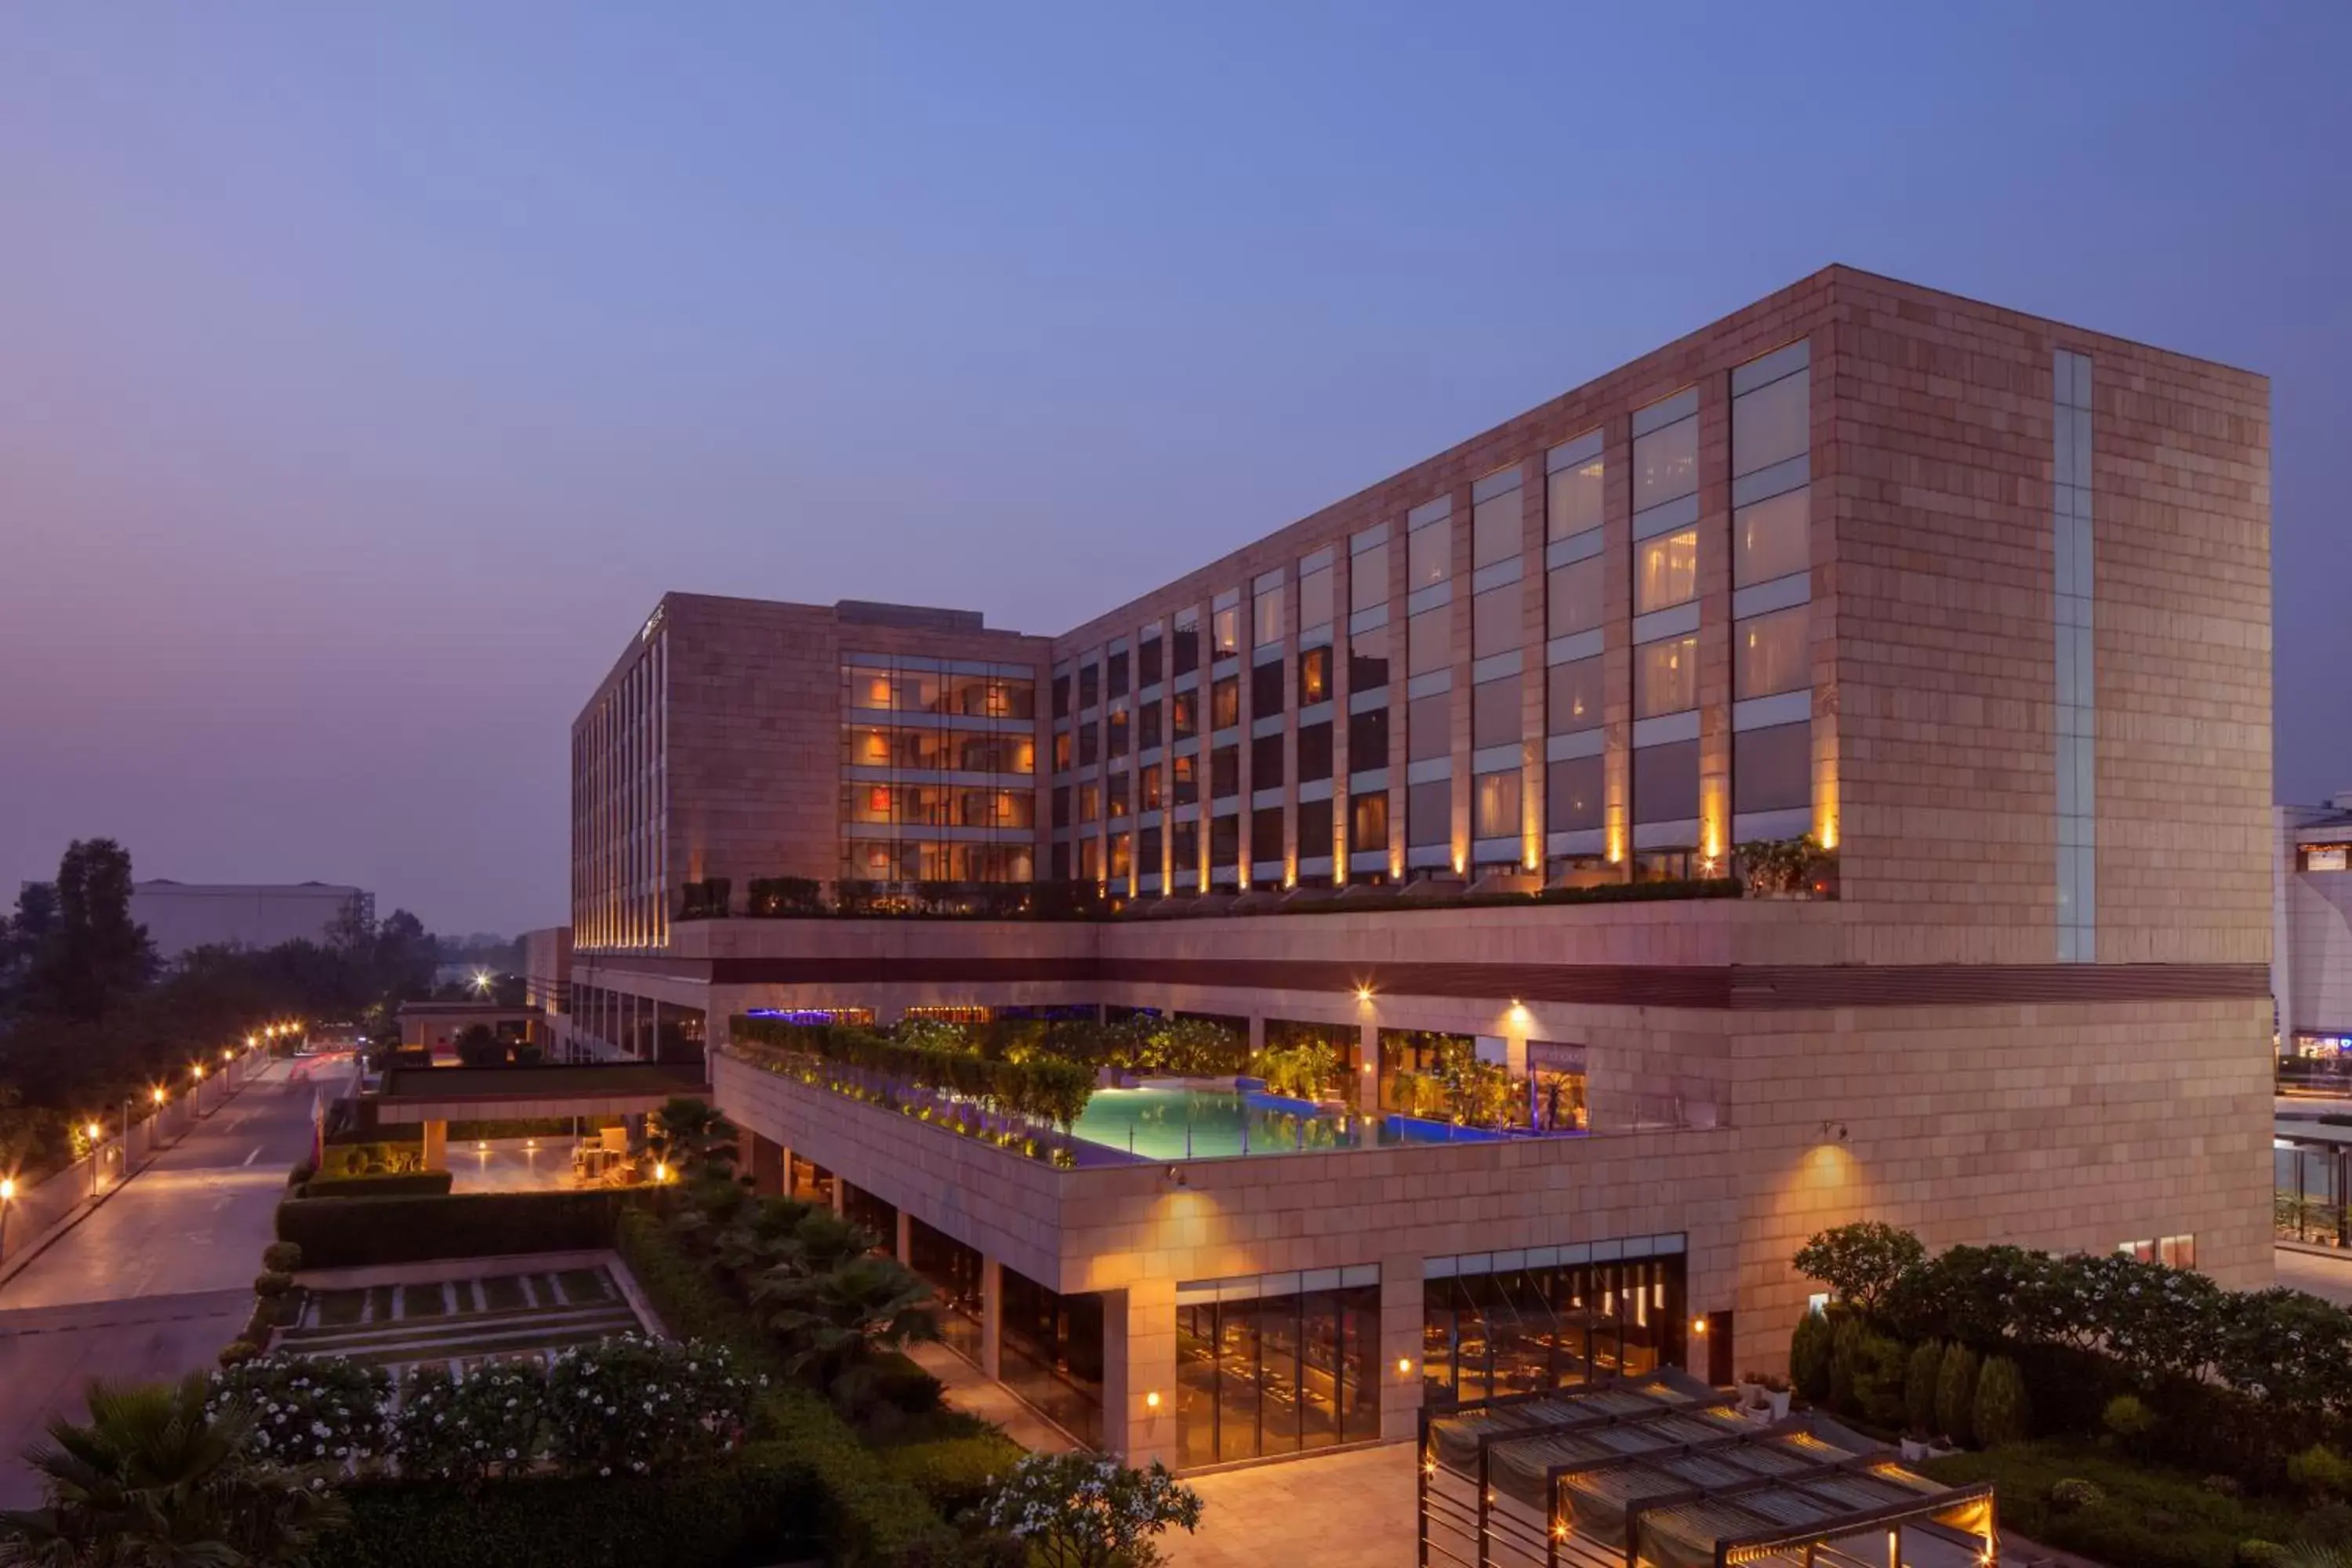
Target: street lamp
[93,1130]
[155,1123]
[7,1195]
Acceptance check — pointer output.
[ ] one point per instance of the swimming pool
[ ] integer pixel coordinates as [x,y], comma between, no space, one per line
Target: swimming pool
[1207,1124]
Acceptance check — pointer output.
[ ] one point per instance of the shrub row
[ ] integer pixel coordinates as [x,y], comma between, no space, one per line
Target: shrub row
[389,1184]
[354,1232]
[1047,1089]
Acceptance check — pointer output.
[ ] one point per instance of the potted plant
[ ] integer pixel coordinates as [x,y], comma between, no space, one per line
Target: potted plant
[1751,1390]
[1915,1445]
[1776,1394]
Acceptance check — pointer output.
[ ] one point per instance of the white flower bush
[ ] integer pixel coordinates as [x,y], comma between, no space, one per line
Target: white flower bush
[490,1421]
[631,1404]
[1087,1510]
[327,1411]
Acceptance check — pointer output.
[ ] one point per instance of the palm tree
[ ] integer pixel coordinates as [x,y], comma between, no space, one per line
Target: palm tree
[153,1480]
[2312,1556]
[693,1137]
[838,1320]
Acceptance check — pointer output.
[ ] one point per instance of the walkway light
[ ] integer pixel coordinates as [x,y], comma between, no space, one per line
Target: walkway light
[7,1188]
[158,1093]
[251,1041]
[1151,1400]
[661,1171]
[197,1071]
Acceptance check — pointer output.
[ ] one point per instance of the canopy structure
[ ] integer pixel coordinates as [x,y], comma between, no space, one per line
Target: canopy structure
[1661,1471]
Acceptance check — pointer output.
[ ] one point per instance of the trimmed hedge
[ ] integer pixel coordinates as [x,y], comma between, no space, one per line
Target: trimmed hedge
[1043,1088]
[954,1473]
[2146,1517]
[348,1233]
[407,1184]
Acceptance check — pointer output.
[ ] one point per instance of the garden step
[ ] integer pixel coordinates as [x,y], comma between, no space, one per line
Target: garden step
[481,1347]
[319,1341]
[453,1320]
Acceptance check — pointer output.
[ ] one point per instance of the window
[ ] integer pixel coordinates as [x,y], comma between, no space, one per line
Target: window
[1089,685]
[1429,813]
[1665,571]
[1147,850]
[1266,833]
[1062,751]
[1061,806]
[1772,423]
[1146,661]
[1226,627]
[1118,794]
[1773,537]
[1089,743]
[1314,596]
[1495,717]
[1188,642]
[1265,619]
[1090,860]
[1368,817]
[1573,702]
[1665,783]
[1573,794]
[1226,703]
[1225,840]
[1666,463]
[1574,501]
[1184,845]
[1184,779]
[1428,640]
[1666,676]
[1429,727]
[1265,762]
[1314,751]
[1772,653]
[1495,809]
[1367,660]
[1184,715]
[1060,861]
[1314,830]
[1265,689]
[1575,598]
[1118,675]
[1428,555]
[1224,772]
[1150,799]
[1367,577]
[1116,726]
[1368,739]
[1773,770]
[1061,697]
[1314,675]
[1147,726]
[1089,803]
[1494,621]
[1494,522]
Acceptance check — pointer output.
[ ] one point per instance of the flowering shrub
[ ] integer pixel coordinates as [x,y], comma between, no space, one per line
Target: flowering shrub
[1084,1510]
[305,1412]
[631,1404]
[490,1421]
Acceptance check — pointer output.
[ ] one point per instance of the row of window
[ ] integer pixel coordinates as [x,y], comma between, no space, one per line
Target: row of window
[937,751]
[896,687]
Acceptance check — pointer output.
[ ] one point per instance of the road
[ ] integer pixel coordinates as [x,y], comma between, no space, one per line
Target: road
[2322,1276]
[157,1279]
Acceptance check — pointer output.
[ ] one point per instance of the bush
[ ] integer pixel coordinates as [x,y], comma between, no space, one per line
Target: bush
[1880,1376]
[1955,1396]
[1919,1380]
[1861,1262]
[956,1474]
[1809,1352]
[490,1420]
[2123,1529]
[2256,1553]
[269,1282]
[282,1258]
[2127,1419]
[900,1383]
[301,1172]
[2322,1472]
[2072,1493]
[324,1412]
[236,1353]
[348,1233]
[1845,1353]
[2002,1415]
[388,1184]
[632,1405]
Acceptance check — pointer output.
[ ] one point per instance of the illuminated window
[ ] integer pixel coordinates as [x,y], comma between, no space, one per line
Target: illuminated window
[1772,653]
[1573,698]
[1226,629]
[1495,521]
[1665,571]
[1575,592]
[1772,538]
[1314,675]
[1496,806]
[1666,676]
[1574,500]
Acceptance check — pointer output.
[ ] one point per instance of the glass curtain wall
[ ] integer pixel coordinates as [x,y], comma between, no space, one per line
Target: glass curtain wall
[1515,1323]
[1050,1352]
[952,1269]
[1277,1364]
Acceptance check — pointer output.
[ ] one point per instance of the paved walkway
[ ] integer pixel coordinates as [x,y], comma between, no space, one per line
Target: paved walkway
[153,1281]
[968,1390]
[1340,1510]
[2326,1275]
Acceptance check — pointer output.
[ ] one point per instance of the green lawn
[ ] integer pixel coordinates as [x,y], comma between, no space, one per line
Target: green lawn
[504,1293]
[2149,1516]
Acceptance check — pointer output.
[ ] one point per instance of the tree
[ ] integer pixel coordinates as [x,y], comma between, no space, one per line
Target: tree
[152,1478]
[478,1047]
[693,1137]
[352,930]
[839,1322]
[1956,1394]
[1921,1379]
[1862,1262]
[1809,1352]
[98,955]
[2002,1415]
[1085,1511]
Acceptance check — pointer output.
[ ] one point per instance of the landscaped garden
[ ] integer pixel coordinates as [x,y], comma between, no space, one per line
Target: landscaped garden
[463,1318]
[2137,1413]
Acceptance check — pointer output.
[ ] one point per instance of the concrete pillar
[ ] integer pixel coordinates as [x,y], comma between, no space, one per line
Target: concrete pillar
[837,1205]
[1139,1364]
[903,1245]
[1256,1024]
[1400,1345]
[991,1316]
[436,1145]
[1367,1081]
[652,1031]
[767,1166]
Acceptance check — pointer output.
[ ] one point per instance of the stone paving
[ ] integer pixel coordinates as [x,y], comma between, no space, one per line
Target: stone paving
[1339,1511]
[461,1320]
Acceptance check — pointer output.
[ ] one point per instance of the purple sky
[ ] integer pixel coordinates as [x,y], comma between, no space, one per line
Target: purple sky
[364,378]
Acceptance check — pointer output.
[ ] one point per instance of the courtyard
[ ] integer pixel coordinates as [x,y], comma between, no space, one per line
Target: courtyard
[415,1314]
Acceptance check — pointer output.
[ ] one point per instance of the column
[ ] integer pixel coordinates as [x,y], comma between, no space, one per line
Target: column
[1140,1370]
[992,1315]
[1256,1031]
[1400,1345]
[436,1145]
[1368,1082]
[767,1163]
[837,1205]
[903,1246]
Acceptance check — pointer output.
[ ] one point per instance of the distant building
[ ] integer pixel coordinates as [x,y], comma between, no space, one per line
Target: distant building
[2311,938]
[183,915]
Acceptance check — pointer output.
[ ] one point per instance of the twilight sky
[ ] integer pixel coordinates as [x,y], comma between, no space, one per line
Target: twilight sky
[366,374]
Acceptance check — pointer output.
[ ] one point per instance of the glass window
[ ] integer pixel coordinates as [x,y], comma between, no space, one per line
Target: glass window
[1574,500]
[1665,464]
[1266,618]
[1367,660]
[1150,797]
[1147,851]
[1061,697]
[1117,666]
[1666,676]
[1122,855]
[1226,703]
[1266,833]
[1773,770]
[1062,751]
[1367,577]
[1184,845]
[1227,625]
[1224,772]
[1116,726]
[1428,640]
[1265,762]
[1116,794]
[1089,803]
[1314,598]
[1429,813]
[1494,621]
[1665,783]
[1089,743]
[1184,779]
[1368,739]
[1187,653]
[1314,675]
[1368,817]
[1496,806]
[1314,830]
[1573,697]
[1147,725]
[1146,660]
[1314,751]
[1494,528]
[1772,423]
[1089,685]
[1225,840]
[1428,726]
[1574,604]
[1265,689]
[1772,653]
[1772,538]
[1665,571]
[1573,794]
[1495,713]
[1184,715]
[1061,806]
[1428,555]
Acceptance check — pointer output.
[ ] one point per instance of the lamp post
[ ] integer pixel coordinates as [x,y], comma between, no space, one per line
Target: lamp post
[155,1122]
[96,1155]
[7,1195]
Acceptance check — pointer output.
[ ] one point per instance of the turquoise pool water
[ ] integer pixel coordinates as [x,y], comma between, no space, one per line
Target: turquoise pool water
[1204,1124]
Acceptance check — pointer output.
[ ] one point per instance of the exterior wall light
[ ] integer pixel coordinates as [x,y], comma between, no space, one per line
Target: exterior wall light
[1151,1400]
[1698,1327]
[1405,1366]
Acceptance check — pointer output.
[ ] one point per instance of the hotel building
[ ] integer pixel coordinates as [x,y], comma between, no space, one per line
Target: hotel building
[1978,601]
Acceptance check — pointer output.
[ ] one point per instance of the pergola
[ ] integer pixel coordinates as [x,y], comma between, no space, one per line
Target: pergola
[1661,1471]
